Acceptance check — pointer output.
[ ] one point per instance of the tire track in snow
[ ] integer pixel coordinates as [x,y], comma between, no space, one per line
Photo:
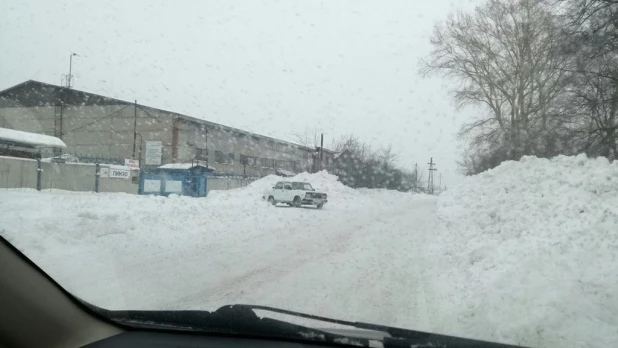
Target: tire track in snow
[372,271]
[286,258]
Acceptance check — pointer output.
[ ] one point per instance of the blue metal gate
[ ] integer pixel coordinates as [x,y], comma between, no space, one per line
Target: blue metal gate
[165,181]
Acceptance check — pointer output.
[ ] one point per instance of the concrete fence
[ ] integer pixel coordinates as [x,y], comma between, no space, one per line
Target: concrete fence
[22,173]
[227,183]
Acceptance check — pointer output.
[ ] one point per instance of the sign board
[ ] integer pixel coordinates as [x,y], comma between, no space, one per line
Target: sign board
[104,172]
[119,173]
[154,150]
[131,163]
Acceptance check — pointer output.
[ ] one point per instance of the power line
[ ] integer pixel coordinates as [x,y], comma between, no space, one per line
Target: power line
[147,113]
[95,121]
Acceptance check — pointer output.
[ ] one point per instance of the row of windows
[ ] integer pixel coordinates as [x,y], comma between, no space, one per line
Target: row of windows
[251,161]
[268,163]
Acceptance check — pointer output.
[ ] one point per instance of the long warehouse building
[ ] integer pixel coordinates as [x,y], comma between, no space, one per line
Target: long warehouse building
[95,126]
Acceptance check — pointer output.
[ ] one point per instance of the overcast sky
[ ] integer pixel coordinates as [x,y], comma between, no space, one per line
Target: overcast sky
[271,67]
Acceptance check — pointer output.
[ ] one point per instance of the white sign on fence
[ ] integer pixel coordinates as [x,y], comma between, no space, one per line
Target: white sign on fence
[153,152]
[119,173]
[104,172]
[131,163]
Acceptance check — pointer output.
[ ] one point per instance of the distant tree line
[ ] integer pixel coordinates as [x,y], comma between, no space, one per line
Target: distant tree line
[545,74]
[359,165]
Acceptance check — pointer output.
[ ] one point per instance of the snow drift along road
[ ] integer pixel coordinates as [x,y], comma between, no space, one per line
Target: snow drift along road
[530,251]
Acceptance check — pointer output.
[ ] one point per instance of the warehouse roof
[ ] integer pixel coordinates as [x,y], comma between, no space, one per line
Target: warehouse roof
[39,94]
[28,140]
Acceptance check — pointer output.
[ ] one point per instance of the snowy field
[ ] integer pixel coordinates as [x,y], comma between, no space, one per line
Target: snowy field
[524,254]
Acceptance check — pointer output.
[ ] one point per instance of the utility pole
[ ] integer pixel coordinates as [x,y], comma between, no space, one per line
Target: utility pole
[440,182]
[321,151]
[134,127]
[430,179]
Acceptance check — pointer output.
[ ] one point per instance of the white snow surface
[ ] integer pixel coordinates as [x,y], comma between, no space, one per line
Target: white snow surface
[530,251]
[181,165]
[33,139]
[521,254]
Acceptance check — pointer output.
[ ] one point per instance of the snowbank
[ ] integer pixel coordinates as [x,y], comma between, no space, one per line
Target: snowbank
[339,195]
[530,253]
[321,181]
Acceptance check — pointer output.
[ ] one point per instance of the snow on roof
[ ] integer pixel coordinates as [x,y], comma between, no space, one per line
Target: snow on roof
[30,139]
[116,166]
[183,166]
[285,172]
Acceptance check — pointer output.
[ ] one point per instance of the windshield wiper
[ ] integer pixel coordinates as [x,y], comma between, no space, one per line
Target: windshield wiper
[398,337]
[236,320]
[240,319]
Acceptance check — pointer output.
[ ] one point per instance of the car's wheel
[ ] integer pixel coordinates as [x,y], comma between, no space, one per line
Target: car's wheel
[319,206]
[271,200]
[296,202]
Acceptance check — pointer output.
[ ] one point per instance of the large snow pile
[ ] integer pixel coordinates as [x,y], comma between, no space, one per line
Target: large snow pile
[530,253]
[338,193]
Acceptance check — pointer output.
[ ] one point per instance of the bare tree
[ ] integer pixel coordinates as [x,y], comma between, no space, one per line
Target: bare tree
[309,138]
[505,57]
[387,157]
[590,115]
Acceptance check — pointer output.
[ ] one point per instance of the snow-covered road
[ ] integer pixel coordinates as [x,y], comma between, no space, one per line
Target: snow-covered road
[503,257]
[360,258]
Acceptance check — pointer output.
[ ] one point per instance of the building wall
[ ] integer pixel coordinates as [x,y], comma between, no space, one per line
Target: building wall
[35,120]
[107,131]
[225,148]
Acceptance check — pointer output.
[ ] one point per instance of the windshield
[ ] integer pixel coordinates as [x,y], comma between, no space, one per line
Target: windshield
[302,186]
[462,155]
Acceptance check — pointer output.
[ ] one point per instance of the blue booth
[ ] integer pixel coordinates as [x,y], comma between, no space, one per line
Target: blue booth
[190,181]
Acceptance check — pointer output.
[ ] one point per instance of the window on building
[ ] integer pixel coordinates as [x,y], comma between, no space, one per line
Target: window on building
[267,162]
[287,165]
[221,157]
[249,160]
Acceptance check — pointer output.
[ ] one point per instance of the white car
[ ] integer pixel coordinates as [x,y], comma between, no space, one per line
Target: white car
[295,194]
